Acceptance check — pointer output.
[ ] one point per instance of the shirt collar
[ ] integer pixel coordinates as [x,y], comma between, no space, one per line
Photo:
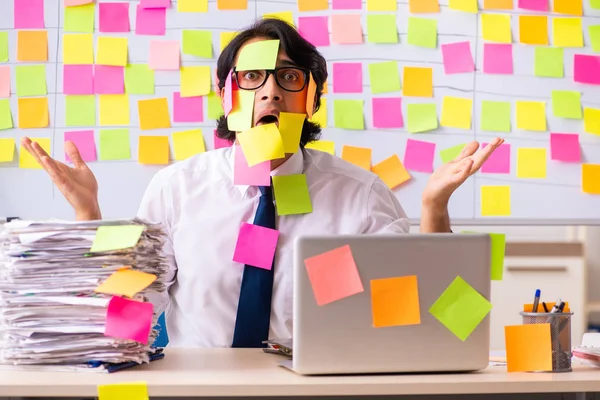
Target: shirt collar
[291,166]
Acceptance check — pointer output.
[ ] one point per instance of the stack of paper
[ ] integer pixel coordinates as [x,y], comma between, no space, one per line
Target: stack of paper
[77,293]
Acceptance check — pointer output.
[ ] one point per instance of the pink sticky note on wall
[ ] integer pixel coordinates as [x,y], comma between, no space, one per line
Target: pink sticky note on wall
[346,29]
[418,155]
[346,4]
[78,79]
[164,55]
[228,95]
[29,14]
[387,112]
[187,109]
[155,3]
[497,58]
[347,78]
[150,21]
[5,81]
[314,29]
[128,319]
[114,17]
[69,3]
[109,79]
[565,147]
[535,5]
[219,143]
[256,246]
[587,69]
[257,175]
[499,161]
[84,141]
[457,58]
[333,275]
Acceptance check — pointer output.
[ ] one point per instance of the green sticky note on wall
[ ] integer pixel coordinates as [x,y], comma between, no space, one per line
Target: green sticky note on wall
[31,80]
[566,104]
[139,79]
[422,32]
[451,153]
[4,46]
[80,110]
[495,116]
[421,117]
[79,18]
[460,308]
[594,31]
[215,108]
[114,144]
[109,238]
[348,114]
[258,55]
[197,43]
[595,4]
[549,62]
[384,77]
[291,194]
[6,121]
[381,28]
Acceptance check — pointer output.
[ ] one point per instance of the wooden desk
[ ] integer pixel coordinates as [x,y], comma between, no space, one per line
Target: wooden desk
[250,372]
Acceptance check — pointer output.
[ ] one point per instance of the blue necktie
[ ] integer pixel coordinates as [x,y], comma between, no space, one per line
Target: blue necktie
[254,306]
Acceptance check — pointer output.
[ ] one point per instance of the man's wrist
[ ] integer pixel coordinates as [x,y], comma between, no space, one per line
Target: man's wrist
[88,215]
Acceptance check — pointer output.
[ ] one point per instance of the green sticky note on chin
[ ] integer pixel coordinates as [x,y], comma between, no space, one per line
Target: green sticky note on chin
[197,43]
[566,104]
[421,117]
[381,28]
[114,144]
[258,55]
[31,80]
[79,18]
[422,32]
[80,110]
[118,237]
[549,62]
[460,308]
[139,79]
[495,116]
[215,108]
[3,46]
[291,194]
[384,77]
[348,114]
[451,153]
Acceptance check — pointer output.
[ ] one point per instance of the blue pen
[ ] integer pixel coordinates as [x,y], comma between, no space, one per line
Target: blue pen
[536,300]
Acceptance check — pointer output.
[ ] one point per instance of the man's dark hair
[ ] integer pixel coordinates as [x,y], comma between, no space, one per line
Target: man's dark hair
[299,50]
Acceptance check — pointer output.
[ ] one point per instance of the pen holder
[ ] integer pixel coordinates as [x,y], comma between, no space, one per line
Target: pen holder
[560,336]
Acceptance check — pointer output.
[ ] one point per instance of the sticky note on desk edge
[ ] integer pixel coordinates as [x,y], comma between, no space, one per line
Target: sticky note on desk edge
[124,390]
[116,237]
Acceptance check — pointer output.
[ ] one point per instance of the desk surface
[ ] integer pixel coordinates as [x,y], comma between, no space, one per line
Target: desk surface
[250,372]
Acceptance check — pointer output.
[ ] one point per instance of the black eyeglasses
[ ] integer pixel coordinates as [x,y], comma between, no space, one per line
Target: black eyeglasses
[291,79]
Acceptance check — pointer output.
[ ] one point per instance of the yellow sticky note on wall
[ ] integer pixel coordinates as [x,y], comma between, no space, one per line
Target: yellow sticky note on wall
[456,112]
[7,149]
[26,160]
[188,143]
[123,391]
[320,117]
[496,28]
[498,4]
[591,117]
[78,48]
[153,149]
[33,112]
[192,5]
[418,82]
[382,5]
[531,162]
[531,115]
[154,114]
[495,201]
[114,109]
[112,51]
[464,5]
[567,32]
[195,81]
[225,38]
[32,45]
[590,178]
[290,128]
[327,146]
[288,16]
[261,143]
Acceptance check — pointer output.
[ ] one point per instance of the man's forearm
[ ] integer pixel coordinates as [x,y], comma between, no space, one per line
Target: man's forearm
[434,220]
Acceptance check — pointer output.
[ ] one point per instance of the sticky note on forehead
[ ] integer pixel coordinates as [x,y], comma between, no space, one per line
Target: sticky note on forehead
[258,55]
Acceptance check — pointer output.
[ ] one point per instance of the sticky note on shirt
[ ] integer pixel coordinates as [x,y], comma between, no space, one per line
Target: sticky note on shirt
[587,69]
[261,143]
[531,163]
[591,117]
[80,110]
[347,77]
[256,246]
[78,48]
[26,160]
[154,114]
[128,319]
[164,55]
[460,308]
[32,46]
[195,81]
[419,155]
[346,29]
[258,55]
[243,174]
[33,112]
[384,77]
[31,80]
[197,43]
[150,21]
[495,201]
[122,391]
[590,178]
[291,194]
[153,150]
[497,58]
[391,171]
[531,115]
[549,62]
[359,156]
[568,32]
[422,117]
[456,112]
[114,17]
[533,29]
[496,28]
[116,237]
[499,161]
[7,149]
[84,141]
[395,301]
[457,58]
[290,128]
[495,116]
[528,348]
[348,114]
[418,81]
[112,51]
[114,109]
[79,18]
[139,79]
[114,144]
[566,104]
[333,275]
[381,28]
[387,112]
[126,282]
[422,32]
[188,143]
[565,147]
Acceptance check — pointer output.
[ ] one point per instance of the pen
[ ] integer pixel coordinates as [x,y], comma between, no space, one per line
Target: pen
[545,306]
[536,300]
[558,307]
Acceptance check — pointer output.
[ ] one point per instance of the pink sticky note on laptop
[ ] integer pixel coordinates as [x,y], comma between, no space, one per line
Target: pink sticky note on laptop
[419,155]
[587,69]
[128,319]
[257,175]
[497,58]
[565,147]
[387,112]
[220,143]
[84,141]
[499,160]
[28,14]
[78,79]
[109,79]
[314,29]
[150,21]
[187,109]
[256,246]
[457,58]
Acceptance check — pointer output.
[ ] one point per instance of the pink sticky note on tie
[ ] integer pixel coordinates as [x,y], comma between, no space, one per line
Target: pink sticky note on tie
[418,155]
[228,100]
[346,4]
[187,109]
[219,143]
[164,55]
[314,29]
[497,58]
[128,319]
[28,14]
[155,3]
[333,275]
[150,21]
[587,69]
[535,5]
[347,78]
[499,160]
[387,112]
[84,141]
[114,17]
[5,81]
[109,79]
[257,175]
[256,246]
[457,58]
[78,79]
[346,29]
[565,147]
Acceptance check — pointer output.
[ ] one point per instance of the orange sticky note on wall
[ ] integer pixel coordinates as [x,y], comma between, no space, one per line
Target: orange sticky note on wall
[153,150]
[528,348]
[32,46]
[590,178]
[126,282]
[154,114]
[232,4]
[569,7]
[33,112]
[533,29]
[498,4]
[423,6]
[391,171]
[312,5]
[418,81]
[395,301]
[359,156]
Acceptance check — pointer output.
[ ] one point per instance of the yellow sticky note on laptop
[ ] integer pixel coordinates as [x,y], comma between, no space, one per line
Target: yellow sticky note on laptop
[395,301]
[528,348]
[126,282]
[495,201]
[290,128]
[531,162]
[26,160]
[123,391]
[258,55]
[261,143]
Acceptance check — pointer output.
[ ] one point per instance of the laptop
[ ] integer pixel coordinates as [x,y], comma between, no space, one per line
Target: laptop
[340,337]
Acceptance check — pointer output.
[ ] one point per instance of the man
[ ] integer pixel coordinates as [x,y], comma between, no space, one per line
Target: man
[214,301]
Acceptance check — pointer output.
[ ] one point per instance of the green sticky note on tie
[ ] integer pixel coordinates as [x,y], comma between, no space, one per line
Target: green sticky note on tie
[498,250]
[139,79]
[6,121]
[421,117]
[4,46]
[197,43]
[31,80]
[258,55]
[79,18]
[123,391]
[348,114]
[291,194]
[80,110]
[114,144]
[451,153]
[549,62]
[594,31]
[109,238]
[381,28]
[460,308]
[495,116]
[215,108]
[566,104]
[422,32]
[384,77]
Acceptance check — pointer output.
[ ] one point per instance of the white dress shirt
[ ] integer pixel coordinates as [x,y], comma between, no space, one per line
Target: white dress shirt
[202,210]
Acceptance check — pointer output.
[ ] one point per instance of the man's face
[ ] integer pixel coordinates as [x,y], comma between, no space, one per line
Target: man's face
[271,99]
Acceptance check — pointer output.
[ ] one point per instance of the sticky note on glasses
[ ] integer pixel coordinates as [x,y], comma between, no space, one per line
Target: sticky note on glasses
[261,143]
[258,55]
[290,128]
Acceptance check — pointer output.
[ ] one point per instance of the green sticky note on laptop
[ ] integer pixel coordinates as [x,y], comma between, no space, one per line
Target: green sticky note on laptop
[498,249]
[460,308]
[110,238]
[258,55]
[291,194]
